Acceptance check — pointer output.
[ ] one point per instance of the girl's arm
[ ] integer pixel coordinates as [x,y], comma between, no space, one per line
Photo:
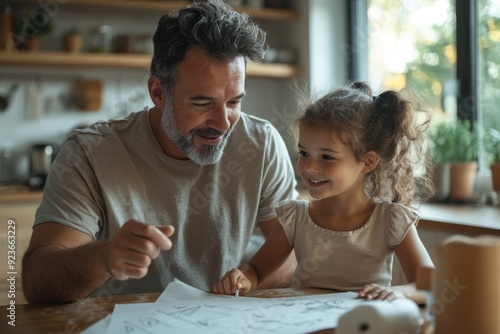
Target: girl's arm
[268,258]
[281,277]
[412,255]
[271,255]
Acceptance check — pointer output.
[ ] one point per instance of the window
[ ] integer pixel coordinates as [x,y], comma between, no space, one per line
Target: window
[413,44]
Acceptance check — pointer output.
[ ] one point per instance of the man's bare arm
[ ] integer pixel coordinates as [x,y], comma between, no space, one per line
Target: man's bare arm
[63,264]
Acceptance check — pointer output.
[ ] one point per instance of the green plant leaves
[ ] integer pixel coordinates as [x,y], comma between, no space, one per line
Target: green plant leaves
[454,141]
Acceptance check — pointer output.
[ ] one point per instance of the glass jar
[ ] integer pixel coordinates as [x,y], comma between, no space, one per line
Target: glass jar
[101,39]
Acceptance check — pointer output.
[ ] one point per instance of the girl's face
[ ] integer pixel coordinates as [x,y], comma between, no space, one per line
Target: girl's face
[327,165]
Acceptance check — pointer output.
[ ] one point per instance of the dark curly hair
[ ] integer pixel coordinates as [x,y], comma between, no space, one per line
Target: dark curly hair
[212,25]
[386,124]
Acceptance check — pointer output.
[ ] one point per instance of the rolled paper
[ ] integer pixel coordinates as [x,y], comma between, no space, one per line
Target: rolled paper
[466,285]
[382,317]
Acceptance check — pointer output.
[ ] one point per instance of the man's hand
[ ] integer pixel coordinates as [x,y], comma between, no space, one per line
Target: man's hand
[134,246]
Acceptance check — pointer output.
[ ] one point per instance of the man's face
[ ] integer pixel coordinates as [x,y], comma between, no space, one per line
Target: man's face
[205,105]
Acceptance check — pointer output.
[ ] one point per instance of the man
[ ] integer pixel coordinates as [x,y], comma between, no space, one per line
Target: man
[169,192]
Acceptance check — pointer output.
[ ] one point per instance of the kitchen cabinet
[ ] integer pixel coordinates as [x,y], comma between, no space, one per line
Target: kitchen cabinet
[18,210]
[142,61]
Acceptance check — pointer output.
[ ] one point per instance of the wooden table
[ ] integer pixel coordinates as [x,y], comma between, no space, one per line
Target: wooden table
[66,318]
[74,317]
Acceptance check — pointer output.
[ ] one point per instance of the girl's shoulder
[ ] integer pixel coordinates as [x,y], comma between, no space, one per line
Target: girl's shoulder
[399,212]
[288,209]
[292,203]
[395,212]
[399,219]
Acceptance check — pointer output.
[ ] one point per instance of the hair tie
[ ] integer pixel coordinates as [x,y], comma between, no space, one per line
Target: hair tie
[380,104]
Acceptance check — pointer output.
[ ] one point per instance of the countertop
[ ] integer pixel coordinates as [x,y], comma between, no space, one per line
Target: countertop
[19,194]
[460,218]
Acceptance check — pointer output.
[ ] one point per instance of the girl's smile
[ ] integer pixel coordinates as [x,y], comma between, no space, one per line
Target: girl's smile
[316,183]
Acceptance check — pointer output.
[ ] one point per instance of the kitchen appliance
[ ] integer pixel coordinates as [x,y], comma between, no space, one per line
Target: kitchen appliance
[5,164]
[41,159]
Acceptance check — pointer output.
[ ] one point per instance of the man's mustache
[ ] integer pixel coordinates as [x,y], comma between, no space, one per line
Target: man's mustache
[210,132]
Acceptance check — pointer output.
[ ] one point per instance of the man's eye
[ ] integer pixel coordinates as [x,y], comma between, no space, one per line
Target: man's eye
[201,105]
[303,154]
[327,157]
[234,103]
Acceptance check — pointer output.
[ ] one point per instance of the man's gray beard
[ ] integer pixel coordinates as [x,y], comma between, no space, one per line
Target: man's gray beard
[207,154]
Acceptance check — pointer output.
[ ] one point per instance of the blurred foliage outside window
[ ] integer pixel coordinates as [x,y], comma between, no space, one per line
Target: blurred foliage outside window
[489,62]
[412,46]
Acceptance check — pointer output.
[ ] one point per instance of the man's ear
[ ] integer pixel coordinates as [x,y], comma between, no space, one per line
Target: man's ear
[156,92]
[371,160]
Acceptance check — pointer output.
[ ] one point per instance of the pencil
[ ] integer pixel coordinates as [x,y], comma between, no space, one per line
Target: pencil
[237,291]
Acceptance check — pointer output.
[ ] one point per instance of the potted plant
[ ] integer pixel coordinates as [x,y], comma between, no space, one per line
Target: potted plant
[72,41]
[493,149]
[454,150]
[31,27]
[441,146]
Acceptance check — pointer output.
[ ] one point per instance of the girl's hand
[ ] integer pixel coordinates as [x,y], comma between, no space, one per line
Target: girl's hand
[375,291]
[233,280]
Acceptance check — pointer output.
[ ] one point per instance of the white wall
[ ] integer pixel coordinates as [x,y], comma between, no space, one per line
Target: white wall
[328,39]
[20,127]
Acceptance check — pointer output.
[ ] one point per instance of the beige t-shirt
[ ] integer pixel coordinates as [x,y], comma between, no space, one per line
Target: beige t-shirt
[116,171]
[344,260]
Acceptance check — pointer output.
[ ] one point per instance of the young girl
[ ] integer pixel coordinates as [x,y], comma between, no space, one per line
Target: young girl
[357,155]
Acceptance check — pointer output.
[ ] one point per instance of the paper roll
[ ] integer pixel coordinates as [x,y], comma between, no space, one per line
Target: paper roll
[466,285]
[382,317]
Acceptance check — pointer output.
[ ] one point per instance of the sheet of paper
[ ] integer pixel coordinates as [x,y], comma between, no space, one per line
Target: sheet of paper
[189,310]
[178,290]
[99,327]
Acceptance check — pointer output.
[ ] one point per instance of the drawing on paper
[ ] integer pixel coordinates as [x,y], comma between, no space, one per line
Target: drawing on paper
[264,316]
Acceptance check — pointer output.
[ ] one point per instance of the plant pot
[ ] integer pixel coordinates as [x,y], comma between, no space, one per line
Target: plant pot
[73,43]
[462,180]
[441,179]
[33,44]
[495,176]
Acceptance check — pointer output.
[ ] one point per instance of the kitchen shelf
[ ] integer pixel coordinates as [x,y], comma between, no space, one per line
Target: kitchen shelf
[166,5]
[118,60]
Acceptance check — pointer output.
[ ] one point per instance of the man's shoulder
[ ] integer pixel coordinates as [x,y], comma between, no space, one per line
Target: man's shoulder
[253,120]
[105,127]
[106,136]
[256,127]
